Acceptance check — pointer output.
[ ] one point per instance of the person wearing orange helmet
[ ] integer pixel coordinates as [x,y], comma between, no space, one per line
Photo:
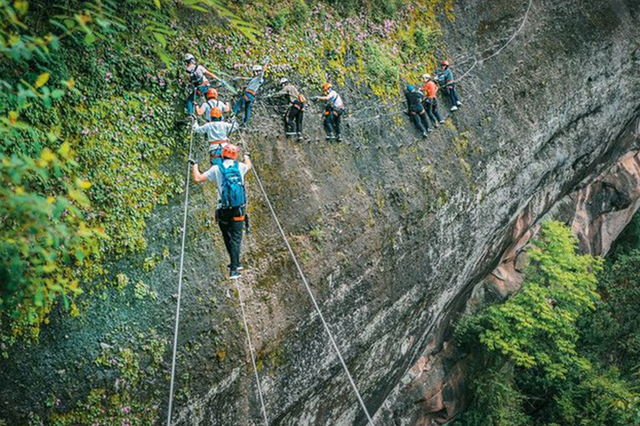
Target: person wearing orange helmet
[217,132]
[430,90]
[446,80]
[212,102]
[333,112]
[198,82]
[229,177]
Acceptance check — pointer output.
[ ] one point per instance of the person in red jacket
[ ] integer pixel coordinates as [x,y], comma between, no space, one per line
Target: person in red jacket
[430,90]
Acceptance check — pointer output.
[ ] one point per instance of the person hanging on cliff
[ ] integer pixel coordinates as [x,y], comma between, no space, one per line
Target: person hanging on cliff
[430,90]
[446,80]
[416,110]
[217,132]
[245,102]
[230,213]
[333,112]
[295,113]
[198,82]
[212,102]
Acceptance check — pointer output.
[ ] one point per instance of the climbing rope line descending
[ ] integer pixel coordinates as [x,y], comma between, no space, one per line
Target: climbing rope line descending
[251,351]
[504,46]
[181,269]
[308,288]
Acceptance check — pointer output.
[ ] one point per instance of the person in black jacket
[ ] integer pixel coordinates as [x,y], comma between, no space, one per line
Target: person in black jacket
[416,110]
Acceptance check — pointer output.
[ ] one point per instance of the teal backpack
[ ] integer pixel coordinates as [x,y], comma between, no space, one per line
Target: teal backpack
[232,194]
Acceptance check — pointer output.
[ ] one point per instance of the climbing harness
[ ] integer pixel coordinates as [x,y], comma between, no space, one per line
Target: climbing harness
[251,352]
[180,273]
[308,288]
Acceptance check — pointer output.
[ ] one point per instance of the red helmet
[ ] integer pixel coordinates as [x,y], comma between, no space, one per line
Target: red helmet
[230,151]
[444,63]
[215,112]
[212,93]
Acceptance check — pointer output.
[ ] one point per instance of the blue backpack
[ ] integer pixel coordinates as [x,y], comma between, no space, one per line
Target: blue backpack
[232,194]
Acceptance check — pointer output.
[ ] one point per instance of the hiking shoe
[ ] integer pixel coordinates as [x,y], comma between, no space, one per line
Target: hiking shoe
[300,136]
[239,268]
[430,129]
[339,138]
[234,275]
[441,121]
[329,137]
[424,134]
[459,103]
[454,108]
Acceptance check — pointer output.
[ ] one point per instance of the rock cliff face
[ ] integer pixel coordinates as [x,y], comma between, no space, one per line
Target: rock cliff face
[393,232]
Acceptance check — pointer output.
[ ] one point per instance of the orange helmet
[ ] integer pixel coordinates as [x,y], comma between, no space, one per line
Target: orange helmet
[326,86]
[230,151]
[215,112]
[212,93]
[444,63]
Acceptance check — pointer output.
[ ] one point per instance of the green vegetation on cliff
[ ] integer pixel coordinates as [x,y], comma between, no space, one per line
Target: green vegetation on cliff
[562,351]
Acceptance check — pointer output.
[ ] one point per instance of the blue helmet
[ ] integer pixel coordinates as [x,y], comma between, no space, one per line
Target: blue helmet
[410,87]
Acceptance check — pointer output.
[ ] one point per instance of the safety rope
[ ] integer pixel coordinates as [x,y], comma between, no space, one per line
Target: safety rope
[504,46]
[251,351]
[181,269]
[308,288]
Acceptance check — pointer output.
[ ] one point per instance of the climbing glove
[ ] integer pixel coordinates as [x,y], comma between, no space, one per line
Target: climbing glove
[192,161]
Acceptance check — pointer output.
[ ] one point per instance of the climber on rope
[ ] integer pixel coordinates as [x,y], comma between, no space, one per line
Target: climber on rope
[212,102]
[217,132]
[333,112]
[230,213]
[295,113]
[430,90]
[416,111]
[445,78]
[250,91]
[198,83]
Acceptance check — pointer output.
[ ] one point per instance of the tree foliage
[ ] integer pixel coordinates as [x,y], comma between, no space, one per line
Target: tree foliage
[529,366]
[58,220]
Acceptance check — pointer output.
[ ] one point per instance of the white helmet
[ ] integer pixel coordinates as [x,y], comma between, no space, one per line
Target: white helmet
[189,58]
[426,75]
[284,80]
[257,68]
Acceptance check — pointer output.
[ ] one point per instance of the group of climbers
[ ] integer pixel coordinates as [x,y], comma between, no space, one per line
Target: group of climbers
[422,104]
[229,173]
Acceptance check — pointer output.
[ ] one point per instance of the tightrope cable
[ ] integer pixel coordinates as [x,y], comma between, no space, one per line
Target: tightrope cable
[251,351]
[181,269]
[497,52]
[308,288]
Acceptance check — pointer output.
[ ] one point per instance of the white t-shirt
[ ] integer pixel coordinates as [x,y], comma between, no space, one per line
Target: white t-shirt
[197,73]
[206,107]
[214,175]
[335,100]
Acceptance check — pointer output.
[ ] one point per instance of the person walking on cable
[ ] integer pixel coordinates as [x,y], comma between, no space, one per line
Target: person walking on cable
[416,110]
[212,102]
[217,132]
[250,91]
[295,113]
[333,112]
[230,212]
[430,90]
[198,83]
[446,80]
